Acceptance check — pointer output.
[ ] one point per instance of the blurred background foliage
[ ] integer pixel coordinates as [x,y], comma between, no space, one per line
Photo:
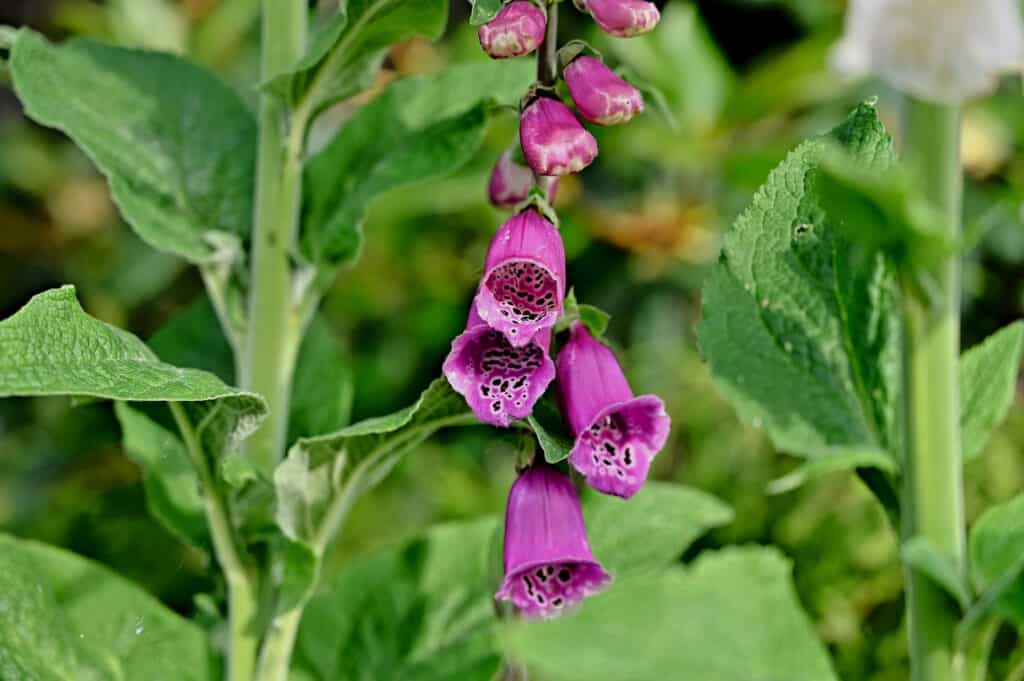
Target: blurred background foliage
[744,81]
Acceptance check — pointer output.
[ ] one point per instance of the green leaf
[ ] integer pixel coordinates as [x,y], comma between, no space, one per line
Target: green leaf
[419,611]
[921,555]
[650,628]
[791,303]
[52,347]
[170,481]
[176,144]
[997,560]
[66,619]
[347,51]
[329,472]
[417,129]
[830,462]
[546,422]
[636,536]
[594,318]
[483,11]
[988,383]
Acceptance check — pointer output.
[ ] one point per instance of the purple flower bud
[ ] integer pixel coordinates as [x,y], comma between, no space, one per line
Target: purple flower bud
[601,97]
[516,30]
[524,278]
[623,18]
[511,182]
[616,434]
[554,142]
[548,563]
[501,383]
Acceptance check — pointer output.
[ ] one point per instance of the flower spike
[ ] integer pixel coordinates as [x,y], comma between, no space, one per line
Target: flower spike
[515,31]
[622,18]
[601,96]
[554,142]
[616,434]
[549,567]
[524,278]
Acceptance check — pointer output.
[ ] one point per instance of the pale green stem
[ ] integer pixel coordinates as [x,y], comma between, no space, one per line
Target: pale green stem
[273,335]
[933,487]
[242,600]
[278,644]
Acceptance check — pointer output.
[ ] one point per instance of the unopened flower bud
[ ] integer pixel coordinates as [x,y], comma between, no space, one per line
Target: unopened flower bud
[511,182]
[516,30]
[553,141]
[601,97]
[622,18]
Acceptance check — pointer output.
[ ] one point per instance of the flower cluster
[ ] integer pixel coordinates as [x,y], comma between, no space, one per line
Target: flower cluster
[502,362]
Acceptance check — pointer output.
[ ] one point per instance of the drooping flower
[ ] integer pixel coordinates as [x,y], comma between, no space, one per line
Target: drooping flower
[516,30]
[616,434]
[501,383]
[511,182]
[601,97]
[946,51]
[553,141]
[549,566]
[622,18]
[523,286]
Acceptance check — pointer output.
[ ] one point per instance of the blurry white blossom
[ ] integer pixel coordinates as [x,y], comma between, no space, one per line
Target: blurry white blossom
[945,50]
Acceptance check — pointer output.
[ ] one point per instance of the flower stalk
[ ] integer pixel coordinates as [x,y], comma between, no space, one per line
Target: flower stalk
[933,487]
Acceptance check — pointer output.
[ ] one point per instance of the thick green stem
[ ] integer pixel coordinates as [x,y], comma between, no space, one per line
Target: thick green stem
[933,488]
[273,331]
[278,644]
[242,600]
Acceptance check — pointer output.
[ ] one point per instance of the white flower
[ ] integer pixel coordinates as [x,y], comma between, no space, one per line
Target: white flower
[945,50]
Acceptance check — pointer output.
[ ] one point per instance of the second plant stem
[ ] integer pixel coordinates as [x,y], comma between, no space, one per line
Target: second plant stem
[933,487]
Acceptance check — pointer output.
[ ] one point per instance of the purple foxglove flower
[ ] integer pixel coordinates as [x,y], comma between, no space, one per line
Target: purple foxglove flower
[616,434]
[501,383]
[548,563]
[622,18]
[601,97]
[516,30]
[524,278]
[554,142]
[511,182]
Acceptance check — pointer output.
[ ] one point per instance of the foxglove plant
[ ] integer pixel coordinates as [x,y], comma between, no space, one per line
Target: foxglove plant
[622,18]
[554,142]
[600,96]
[549,567]
[517,30]
[511,182]
[616,434]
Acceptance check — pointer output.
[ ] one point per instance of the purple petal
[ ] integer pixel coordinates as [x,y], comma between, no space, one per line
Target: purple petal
[511,182]
[549,566]
[616,434]
[516,30]
[524,278]
[601,97]
[553,141]
[623,18]
[501,383]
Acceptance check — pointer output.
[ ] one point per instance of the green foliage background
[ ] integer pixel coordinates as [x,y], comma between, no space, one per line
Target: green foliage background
[642,228]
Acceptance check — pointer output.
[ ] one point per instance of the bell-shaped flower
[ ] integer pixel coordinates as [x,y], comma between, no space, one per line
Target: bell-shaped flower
[516,30]
[549,566]
[523,286]
[501,383]
[601,97]
[553,141]
[616,434]
[622,18]
[511,182]
[946,50]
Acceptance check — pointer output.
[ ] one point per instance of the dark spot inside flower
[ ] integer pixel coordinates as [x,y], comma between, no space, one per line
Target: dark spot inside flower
[557,602]
[627,456]
[610,448]
[564,575]
[496,406]
[540,598]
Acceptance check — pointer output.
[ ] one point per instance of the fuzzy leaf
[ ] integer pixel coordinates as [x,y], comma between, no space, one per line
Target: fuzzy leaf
[66,618]
[417,129]
[176,144]
[52,347]
[997,559]
[650,628]
[345,464]
[988,383]
[791,303]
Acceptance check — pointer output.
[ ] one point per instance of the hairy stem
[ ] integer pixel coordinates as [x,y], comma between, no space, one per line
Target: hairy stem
[547,55]
[273,335]
[933,488]
[242,599]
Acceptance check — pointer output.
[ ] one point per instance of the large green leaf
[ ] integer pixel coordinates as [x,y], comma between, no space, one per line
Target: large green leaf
[988,383]
[52,347]
[66,619]
[176,144]
[332,471]
[997,558]
[346,52]
[792,305]
[732,616]
[417,129]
